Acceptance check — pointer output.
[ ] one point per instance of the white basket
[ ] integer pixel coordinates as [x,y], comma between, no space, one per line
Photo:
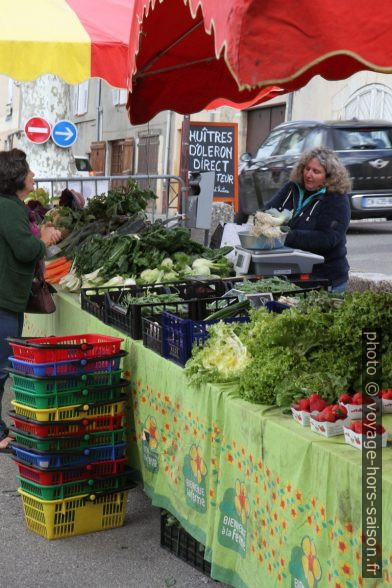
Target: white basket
[386,405]
[329,429]
[356,439]
[354,411]
[302,416]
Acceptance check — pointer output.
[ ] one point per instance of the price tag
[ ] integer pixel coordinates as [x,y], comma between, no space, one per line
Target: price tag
[257,300]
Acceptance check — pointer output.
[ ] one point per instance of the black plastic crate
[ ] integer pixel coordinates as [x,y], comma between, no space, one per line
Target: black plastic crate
[93,303]
[176,540]
[129,320]
[152,333]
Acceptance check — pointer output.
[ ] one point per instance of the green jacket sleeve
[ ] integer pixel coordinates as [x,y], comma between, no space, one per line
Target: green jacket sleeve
[15,229]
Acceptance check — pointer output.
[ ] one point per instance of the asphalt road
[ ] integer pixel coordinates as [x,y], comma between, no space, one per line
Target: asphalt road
[369,245]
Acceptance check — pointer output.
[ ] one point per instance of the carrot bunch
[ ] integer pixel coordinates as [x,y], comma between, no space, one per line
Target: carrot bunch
[56,269]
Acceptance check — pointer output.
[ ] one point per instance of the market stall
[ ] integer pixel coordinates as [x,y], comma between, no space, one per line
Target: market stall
[268,498]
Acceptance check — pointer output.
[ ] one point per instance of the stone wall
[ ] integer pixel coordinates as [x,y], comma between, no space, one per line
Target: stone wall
[359,282]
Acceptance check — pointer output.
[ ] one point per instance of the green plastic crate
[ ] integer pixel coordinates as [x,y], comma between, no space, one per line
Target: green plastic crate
[90,486]
[59,384]
[50,444]
[69,398]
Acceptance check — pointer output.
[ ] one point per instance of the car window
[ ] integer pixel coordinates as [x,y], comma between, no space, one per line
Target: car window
[362,138]
[270,144]
[316,138]
[293,142]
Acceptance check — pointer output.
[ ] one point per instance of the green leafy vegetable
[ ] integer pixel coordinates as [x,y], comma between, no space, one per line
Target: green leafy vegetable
[221,359]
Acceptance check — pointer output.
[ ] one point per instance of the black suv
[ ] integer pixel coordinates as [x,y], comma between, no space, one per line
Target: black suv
[364,147]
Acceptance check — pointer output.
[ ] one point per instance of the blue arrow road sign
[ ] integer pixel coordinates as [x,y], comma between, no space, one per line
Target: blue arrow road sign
[64,133]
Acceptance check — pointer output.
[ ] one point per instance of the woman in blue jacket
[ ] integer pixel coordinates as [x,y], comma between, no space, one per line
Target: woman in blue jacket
[317,196]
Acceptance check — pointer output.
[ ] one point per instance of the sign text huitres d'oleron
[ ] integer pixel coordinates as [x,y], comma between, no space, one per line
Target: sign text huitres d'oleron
[214,147]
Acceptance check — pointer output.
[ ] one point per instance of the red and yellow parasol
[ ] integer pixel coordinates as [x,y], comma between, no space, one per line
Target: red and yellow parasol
[74,39]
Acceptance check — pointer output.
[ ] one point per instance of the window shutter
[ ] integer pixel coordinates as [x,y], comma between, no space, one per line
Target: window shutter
[128,156]
[148,160]
[98,156]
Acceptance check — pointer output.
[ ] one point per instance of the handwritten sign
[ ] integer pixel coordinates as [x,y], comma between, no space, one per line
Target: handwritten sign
[214,147]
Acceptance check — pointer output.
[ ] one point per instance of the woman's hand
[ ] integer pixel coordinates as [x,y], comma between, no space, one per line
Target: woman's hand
[50,235]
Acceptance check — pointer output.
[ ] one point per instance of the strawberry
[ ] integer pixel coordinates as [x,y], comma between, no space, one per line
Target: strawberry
[316,403]
[339,411]
[327,415]
[304,404]
[345,398]
[380,429]
[295,406]
[357,398]
[387,394]
[356,426]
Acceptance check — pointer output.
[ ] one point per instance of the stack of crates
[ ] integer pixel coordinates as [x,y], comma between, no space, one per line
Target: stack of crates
[69,429]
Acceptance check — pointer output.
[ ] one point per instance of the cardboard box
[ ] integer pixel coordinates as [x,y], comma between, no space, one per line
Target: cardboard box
[302,416]
[329,429]
[355,439]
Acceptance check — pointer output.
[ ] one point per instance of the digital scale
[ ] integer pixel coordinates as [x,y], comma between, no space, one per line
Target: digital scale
[274,262]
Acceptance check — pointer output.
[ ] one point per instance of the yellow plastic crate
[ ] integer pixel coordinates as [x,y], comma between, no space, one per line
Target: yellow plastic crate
[55,519]
[69,413]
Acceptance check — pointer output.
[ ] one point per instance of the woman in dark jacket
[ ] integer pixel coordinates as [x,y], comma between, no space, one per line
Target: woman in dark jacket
[20,250]
[317,196]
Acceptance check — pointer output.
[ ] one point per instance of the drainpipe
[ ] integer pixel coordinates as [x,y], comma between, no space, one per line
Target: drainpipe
[166,162]
[99,110]
[290,97]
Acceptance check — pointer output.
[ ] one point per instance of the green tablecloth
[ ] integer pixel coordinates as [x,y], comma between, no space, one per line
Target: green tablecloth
[274,503]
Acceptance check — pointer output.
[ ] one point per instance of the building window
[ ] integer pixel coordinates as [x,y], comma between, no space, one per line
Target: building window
[119,97]
[81,99]
[10,97]
[370,102]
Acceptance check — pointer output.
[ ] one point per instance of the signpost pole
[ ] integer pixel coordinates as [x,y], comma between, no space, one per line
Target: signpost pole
[184,162]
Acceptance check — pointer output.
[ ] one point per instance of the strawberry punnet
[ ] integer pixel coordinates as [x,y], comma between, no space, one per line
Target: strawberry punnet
[362,427]
[332,413]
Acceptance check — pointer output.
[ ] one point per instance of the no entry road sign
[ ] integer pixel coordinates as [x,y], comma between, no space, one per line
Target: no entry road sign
[37,130]
[64,133]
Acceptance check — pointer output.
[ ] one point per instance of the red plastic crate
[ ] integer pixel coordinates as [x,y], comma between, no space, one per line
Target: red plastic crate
[47,349]
[49,477]
[67,428]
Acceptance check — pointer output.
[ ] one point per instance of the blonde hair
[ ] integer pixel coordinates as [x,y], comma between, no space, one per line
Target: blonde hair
[337,179]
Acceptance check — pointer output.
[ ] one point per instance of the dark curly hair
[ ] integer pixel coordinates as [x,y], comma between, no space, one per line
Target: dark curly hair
[13,171]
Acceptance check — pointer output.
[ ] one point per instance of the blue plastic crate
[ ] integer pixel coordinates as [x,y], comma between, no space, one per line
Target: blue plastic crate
[278,307]
[59,460]
[70,367]
[180,335]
